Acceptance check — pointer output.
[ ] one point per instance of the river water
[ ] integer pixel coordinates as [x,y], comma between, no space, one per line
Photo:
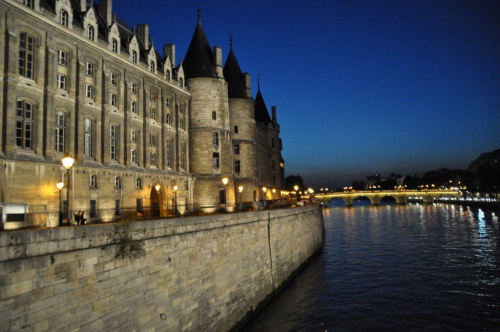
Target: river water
[396,268]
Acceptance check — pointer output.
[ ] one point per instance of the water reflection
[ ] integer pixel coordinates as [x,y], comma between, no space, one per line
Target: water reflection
[424,267]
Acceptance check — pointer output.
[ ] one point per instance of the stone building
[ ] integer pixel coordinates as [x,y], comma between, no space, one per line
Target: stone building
[148,136]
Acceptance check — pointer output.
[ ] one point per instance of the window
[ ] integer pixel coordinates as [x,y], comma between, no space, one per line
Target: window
[29,3]
[24,124]
[152,95]
[90,32]
[235,129]
[118,182]
[93,181]
[168,102]
[215,139]
[152,113]
[113,100]
[133,135]
[181,82]
[153,140]
[89,69]
[237,167]
[133,107]
[139,204]
[26,55]
[186,185]
[167,75]
[88,91]
[93,208]
[138,183]
[215,160]
[117,207]
[61,81]
[88,144]
[152,66]
[236,149]
[274,165]
[59,131]
[167,118]
[222,196]
[214,115]
[169,153]
[181,123]
[113,79]
[183,156]
[133,157]
[113,135]
[133,87]
[62,58]
[134,56]
[114,45]
[64,18]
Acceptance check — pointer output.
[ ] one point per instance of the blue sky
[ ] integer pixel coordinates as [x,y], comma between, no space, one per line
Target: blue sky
[360,86]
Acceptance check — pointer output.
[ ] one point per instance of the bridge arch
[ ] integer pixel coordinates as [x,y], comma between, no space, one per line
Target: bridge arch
[373,199]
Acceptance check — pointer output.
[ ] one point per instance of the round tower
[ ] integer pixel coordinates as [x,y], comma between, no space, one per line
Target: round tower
[211,159]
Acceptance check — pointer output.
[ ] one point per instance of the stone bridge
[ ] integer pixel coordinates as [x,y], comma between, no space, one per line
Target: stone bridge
[401,196]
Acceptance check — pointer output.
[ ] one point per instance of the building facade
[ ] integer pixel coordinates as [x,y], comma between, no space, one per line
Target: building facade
[148,136]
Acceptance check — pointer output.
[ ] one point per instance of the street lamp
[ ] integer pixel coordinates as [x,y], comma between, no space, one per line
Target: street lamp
[175,199]
[67,162]
[296,188]
[157,187]
[60,185]
[225,181]
[240,190]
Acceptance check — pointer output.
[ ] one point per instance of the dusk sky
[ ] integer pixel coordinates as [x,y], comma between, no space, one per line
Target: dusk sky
[360,86]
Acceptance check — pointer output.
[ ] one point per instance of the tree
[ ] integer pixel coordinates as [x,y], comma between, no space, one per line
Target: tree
[294,180]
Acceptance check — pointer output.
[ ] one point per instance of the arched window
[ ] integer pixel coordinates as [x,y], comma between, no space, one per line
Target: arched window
[90,32]
[60,131]
[27,55]
[24,124]
[152,66]
[64,17]
[114,44]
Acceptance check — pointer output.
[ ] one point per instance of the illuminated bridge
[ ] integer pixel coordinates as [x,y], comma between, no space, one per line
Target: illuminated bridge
[401,196]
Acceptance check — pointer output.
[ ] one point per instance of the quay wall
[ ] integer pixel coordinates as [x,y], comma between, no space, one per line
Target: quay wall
[198,273]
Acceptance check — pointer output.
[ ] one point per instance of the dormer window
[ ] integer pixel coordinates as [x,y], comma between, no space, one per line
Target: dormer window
[167,75]
[134,56]
[152,66]
[181,82]
[90,32]
[114,44]
[29,3]
[64,18]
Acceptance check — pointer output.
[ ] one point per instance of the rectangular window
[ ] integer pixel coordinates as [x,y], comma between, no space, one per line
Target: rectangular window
[61,81]
[133,156]
[138,183]
[29,3]
[93,208]
[114,46]
[88,91]
[222,196]
[167,118]
[93,181]
[113,100]
[26,55]
[237,166]
[24,124]
[183,156]
[215,160]
[133,136]
[89,69]
[117,207]
[169,153]
[152,113]
[112,141]
[215,139]
[214,115]
[63,19]
[59,131]
[113,79]
[236,149]
[235,129]
[139,205]
[152,95]
[133,107]
[62,58]
[134,56]
[168,102]
[118,182]
[88,143]
[133,87]
[90,32]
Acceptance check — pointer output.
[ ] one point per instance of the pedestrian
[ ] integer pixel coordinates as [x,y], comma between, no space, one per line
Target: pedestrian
[77,218]
[82,218]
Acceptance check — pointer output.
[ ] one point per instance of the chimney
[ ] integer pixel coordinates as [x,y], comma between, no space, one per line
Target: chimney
[169,50]
[143,35]
[274,114]
[106,9]
[248,85]
[218,61]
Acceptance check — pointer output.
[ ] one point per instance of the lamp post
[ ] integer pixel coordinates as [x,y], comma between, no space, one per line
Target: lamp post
[60,185]
[296,188]
[240,190]
[68,162]
[225,181]
[175,199]
[157,212]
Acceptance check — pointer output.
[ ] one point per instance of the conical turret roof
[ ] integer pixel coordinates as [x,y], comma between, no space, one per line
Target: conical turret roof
[261,112]
[198,61]
[234,77]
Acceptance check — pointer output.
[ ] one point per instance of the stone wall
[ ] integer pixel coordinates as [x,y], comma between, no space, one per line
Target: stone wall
[200,273]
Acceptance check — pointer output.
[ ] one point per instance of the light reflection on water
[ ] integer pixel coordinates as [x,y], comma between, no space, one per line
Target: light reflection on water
[414,267]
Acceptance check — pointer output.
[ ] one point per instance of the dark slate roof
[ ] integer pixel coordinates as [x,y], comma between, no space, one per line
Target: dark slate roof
[261,112]
[199,57]
[234,77]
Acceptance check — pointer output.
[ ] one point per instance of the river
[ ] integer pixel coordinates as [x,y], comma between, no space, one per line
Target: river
[396,268]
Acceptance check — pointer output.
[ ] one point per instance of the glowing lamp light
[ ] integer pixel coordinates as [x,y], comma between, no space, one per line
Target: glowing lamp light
[68,161]
[225,180]
[295,187]
[157,187]
[274,190]
[175,188]
[264,189]
[240,189]
[60,185]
